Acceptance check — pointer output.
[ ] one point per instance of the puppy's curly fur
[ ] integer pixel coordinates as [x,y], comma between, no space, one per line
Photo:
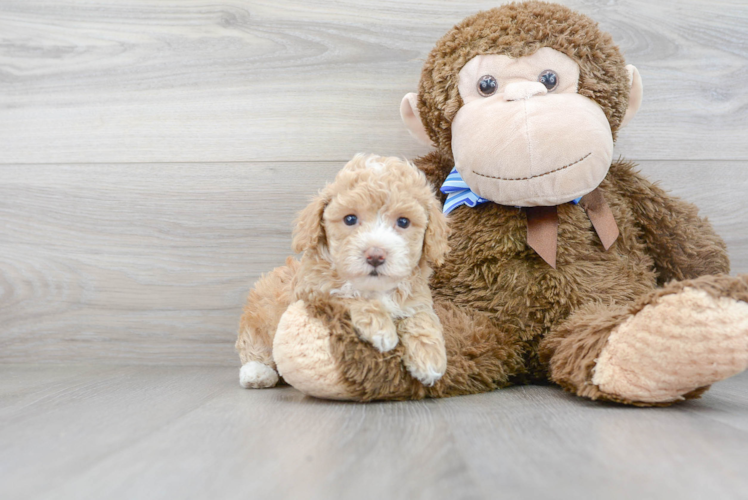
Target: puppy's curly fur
[376,206]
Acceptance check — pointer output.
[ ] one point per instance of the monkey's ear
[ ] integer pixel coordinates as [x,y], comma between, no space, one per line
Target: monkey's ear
[635,95]
[309,231]
[412,119]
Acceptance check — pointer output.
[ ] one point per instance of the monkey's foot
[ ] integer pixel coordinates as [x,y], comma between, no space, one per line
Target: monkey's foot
[688,336]
[304,357]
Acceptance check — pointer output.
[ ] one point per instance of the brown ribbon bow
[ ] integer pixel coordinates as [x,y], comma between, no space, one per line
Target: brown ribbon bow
[542,225]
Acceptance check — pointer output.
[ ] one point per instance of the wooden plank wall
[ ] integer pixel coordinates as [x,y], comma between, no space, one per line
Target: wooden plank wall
[153,152]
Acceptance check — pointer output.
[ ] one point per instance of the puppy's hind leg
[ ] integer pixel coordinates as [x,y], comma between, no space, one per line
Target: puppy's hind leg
[266,303]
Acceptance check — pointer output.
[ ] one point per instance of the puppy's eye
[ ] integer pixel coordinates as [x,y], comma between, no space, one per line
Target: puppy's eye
[549,78]
[350,220]
[487,85]
[403,222]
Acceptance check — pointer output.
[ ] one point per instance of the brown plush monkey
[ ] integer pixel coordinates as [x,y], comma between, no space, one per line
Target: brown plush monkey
[565,266]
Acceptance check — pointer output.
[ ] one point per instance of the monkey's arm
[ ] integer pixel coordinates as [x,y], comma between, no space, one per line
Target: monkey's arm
[682,244]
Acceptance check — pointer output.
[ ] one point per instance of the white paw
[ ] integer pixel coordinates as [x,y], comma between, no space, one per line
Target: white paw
[255,375]
[384,341]
[428,376]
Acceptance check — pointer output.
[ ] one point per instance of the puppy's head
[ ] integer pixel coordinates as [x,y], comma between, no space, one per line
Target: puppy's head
[377,223]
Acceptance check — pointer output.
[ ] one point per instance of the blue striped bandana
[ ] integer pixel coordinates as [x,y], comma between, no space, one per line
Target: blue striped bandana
[459,193]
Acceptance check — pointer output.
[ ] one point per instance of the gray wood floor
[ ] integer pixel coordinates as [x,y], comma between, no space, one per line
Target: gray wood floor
[153,154]
[78,432]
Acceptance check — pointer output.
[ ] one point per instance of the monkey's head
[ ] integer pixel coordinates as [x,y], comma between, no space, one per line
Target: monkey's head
[526,99]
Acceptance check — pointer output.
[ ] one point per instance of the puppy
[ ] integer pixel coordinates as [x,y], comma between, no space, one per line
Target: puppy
[368,241]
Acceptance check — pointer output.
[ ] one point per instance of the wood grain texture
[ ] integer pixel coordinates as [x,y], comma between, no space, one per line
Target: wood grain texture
[140,262]
[152,263]
[75,432]
[313,80]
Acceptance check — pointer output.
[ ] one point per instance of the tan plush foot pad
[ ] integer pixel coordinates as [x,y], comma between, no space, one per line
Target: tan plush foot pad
[682,342]
[301,349]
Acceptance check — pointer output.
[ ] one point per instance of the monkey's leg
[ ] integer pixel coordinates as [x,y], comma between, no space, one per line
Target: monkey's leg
[481,356]
[318,352]
[668,346]
[266,303]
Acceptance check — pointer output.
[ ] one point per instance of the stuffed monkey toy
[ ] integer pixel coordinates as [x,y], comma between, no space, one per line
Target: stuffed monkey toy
[566,265]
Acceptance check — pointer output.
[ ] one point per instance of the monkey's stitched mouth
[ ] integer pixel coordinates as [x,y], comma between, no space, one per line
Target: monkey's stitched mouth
[534,176]
[374,273]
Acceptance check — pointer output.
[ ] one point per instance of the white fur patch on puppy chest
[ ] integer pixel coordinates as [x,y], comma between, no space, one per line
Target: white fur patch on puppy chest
[387,298]
[682,342]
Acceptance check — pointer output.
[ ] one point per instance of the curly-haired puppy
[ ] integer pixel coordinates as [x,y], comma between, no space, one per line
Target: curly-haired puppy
[369,239]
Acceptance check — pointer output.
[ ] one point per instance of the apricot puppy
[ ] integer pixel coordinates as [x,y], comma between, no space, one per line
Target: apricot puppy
[369,240]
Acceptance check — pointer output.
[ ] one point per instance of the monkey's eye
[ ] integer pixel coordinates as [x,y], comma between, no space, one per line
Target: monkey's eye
[350,220]
[402,222]
[549,78]
[487,85]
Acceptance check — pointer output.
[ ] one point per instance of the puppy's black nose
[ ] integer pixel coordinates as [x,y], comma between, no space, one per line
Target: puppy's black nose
[375,256]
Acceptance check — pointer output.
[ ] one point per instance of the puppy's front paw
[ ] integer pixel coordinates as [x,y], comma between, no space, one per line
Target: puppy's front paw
[425,360]
[384,340]
[382,335]
[256,375]
[378,330]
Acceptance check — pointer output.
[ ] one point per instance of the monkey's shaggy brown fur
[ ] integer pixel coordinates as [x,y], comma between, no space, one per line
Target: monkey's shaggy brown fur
[500,304]
[508,317]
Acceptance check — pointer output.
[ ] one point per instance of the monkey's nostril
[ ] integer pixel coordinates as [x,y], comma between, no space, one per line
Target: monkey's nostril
[375,256]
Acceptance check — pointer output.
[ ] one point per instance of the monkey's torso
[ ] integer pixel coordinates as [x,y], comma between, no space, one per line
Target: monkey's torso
[491,268]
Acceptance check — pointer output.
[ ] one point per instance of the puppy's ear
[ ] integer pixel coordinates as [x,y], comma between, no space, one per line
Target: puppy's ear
[310,231]
[435,245]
